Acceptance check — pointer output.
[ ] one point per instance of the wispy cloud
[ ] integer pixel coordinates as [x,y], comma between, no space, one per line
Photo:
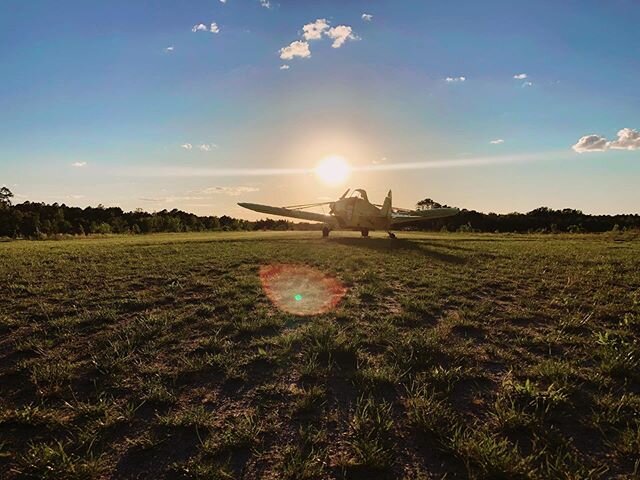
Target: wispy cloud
[265,3]
[520,76]
[314,30]
[284,67]
[231,191]
[341,34]
[185,171]
[204,194]
[527,84]
[169,49]
[497,141]
[295,49]
[367,17]
[628,139]
[455,79]
[186,146]
[79,164]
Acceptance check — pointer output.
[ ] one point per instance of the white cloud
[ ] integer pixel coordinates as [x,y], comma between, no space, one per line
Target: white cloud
[520,76]
[284,67]
[455,79]
[628,139]
[497,141]
[169,49]
[295,49]
[201,27]
[527,84]
[314,31]
[340,34]
[591,143]
[206,147]
[187,146]
[367,17]
[223,1]
[79,164]
[265,3]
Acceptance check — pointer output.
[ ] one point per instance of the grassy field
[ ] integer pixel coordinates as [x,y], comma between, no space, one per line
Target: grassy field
[451,355]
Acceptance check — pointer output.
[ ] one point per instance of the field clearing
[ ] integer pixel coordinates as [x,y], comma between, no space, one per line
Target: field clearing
[470,356]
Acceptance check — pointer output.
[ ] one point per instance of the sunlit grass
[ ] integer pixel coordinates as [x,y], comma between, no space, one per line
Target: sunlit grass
[481,356]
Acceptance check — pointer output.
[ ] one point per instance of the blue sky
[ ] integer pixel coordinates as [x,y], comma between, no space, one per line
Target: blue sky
[96,108]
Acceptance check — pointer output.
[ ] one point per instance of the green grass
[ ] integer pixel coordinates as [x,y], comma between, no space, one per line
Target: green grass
[451,355]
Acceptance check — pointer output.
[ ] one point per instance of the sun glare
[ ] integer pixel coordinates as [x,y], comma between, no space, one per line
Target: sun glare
[333,170]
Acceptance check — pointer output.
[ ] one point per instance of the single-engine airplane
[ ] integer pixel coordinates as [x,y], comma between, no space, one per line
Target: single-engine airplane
[355,212]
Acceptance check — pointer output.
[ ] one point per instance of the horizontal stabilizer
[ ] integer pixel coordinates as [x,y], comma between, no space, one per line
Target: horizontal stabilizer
[431,214]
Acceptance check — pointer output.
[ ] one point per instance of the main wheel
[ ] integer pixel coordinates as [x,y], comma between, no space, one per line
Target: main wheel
[365,232]
[391,235]
[325,232]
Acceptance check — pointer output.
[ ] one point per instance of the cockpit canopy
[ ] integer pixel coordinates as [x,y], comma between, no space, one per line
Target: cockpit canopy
[357,193]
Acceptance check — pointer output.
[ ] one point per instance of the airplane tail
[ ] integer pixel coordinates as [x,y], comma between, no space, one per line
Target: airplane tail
[385,211]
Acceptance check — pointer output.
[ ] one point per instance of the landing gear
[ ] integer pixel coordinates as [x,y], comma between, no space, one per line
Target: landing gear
[365,232]
[325,232]
[391,235]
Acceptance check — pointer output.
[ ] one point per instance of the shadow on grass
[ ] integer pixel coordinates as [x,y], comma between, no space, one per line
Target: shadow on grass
[386,245]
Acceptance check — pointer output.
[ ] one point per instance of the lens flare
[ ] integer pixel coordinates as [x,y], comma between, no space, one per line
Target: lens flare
[300,290]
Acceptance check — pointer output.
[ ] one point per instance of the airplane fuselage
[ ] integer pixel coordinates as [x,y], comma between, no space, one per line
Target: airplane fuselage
[357,213]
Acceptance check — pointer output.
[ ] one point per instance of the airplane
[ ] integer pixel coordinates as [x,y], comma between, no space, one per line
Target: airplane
[355,212]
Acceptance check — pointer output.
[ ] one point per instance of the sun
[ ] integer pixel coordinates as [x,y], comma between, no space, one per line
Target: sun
[333,170]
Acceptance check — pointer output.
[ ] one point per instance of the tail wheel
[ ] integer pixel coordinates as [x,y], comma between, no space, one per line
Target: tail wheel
[325,232]
[365,232]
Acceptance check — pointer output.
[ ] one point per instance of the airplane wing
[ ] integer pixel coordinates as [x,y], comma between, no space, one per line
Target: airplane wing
[288,212]
[431,214]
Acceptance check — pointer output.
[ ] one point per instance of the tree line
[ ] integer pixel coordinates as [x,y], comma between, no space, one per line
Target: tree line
[539,220]
[40,220]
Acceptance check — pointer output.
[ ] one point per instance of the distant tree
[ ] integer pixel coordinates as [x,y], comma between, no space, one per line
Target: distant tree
[426,204]
[101,228]
[5,197]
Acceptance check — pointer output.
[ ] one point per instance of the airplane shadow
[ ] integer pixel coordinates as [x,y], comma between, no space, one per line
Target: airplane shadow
[387,245]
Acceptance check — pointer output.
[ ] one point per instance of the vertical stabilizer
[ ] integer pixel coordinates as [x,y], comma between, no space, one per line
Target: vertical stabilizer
[386,206]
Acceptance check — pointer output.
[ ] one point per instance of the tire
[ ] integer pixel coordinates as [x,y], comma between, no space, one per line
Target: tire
[365,232]
[325,232]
